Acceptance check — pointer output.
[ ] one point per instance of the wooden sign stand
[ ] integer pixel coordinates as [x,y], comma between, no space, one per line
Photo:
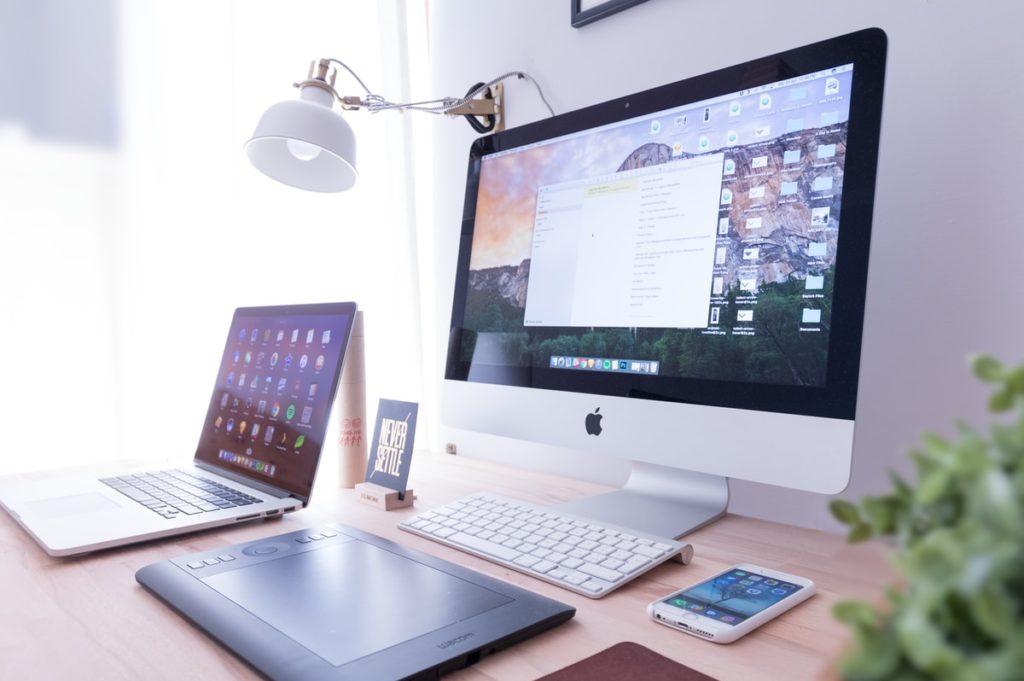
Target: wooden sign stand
[382,497]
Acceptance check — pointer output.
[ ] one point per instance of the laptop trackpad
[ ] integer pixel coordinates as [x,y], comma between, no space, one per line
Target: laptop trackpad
[349,600]
[76,504]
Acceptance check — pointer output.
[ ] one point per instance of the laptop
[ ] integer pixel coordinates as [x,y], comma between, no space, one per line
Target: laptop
[259,445]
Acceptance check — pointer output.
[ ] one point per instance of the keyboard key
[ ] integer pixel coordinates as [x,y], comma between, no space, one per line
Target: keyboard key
[601,572]
[484,546]
[526,561]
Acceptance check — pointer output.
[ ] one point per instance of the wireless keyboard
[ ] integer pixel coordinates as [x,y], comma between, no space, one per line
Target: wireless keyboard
[573,552]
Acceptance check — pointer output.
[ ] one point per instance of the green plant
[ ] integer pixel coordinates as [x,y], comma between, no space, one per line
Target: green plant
[958,612]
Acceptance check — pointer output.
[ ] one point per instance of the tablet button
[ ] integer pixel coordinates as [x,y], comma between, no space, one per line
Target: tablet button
[225,558]
[195,565]
[261,550]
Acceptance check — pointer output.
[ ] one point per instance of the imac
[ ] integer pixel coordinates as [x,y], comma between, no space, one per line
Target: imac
[677,277]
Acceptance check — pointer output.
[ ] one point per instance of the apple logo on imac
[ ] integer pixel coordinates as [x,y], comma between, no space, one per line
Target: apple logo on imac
[593,422]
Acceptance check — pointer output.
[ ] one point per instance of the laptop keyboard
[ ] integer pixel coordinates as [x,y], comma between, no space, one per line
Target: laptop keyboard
[176,493]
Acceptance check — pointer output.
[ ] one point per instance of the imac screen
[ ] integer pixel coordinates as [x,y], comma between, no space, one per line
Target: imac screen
[674,243]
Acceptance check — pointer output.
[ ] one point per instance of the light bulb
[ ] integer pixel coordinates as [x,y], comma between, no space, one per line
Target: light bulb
[304,151]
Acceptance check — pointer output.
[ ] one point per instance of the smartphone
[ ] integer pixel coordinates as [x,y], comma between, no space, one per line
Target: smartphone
[731,604]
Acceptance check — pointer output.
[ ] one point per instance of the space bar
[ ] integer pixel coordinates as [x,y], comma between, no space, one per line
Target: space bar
[484,546]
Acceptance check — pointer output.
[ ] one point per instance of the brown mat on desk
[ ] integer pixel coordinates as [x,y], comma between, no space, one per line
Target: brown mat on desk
[626,661]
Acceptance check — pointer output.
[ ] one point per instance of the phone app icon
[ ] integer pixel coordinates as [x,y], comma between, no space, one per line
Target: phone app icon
[831,86]
[307,414]
[273,359]
[284,437]
[303,361]
[711,613]
[275,410]
[296,387]
[771,582]
[726,197]
[280,335]
[266,383]
[255,381]
[241,427]
[729,167]
[679,121]
[241,381]
[607,364]
[313,389]
[231,378]
[679,602]
[295,335]
[728,618]
[735,108]
[754,592]
[234,403]
[732,138]
[703,143]
[746,582]
[266,336]
[309,336]
[260,357]
[220,420]
[655,126]
[248,403]
[255,430]
[325,337]
[755,578]
[290,412]
[299,441]
[623,365]
[237,356]
[282,383]
[319,362]
[269,436]
[248,358]
[231,425]
[779,592]
[241,335]
[261,408]
[254,336]
[706,118]
[288,361]
[765,102]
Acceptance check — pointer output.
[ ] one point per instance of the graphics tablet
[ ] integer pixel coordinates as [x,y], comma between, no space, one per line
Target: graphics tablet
[337,603]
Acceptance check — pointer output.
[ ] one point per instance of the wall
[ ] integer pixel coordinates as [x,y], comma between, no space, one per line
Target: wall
[946,240]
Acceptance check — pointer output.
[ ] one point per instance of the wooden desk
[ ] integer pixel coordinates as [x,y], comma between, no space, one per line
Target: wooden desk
[87,618]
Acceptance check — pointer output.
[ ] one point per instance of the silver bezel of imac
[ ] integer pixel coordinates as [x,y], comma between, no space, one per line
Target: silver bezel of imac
[687,434]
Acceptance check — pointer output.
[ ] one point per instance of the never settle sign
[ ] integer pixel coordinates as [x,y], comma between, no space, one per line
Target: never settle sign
[391,451]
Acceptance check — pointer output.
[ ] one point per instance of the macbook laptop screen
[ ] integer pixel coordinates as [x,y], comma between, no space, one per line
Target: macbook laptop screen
[269,409]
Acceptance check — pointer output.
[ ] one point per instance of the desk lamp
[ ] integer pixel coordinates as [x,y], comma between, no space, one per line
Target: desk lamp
[305,143]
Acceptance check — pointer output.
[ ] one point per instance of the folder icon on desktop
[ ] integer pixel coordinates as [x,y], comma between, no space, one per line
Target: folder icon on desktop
[811,316]
[816,249]
[787,188]
[826,150]
[823,184]
[791,156]
[794,125]
[815,282]
[829,118]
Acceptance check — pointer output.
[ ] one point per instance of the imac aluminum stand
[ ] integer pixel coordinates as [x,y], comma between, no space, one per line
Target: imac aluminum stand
[660,500]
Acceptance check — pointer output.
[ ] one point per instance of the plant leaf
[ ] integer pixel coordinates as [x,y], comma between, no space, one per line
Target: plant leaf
[987,368]
[1001,401]
[844,511]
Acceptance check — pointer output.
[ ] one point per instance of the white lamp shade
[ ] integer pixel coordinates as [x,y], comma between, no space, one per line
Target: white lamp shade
[288,136]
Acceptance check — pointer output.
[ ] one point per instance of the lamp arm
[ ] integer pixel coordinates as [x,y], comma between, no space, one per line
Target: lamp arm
[374,103]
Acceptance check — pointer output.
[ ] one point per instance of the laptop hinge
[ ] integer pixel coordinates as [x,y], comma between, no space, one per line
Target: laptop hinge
[276,492]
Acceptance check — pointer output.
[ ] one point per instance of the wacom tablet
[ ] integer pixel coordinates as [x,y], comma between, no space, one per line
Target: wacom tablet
[337,603]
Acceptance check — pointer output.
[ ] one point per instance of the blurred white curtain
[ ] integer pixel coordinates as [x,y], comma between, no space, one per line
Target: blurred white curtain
[124,255]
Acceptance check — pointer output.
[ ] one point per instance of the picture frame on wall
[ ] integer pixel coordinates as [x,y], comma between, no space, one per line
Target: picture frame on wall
[584,12]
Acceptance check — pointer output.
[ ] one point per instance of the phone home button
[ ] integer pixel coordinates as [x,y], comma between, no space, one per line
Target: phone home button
[690,617]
